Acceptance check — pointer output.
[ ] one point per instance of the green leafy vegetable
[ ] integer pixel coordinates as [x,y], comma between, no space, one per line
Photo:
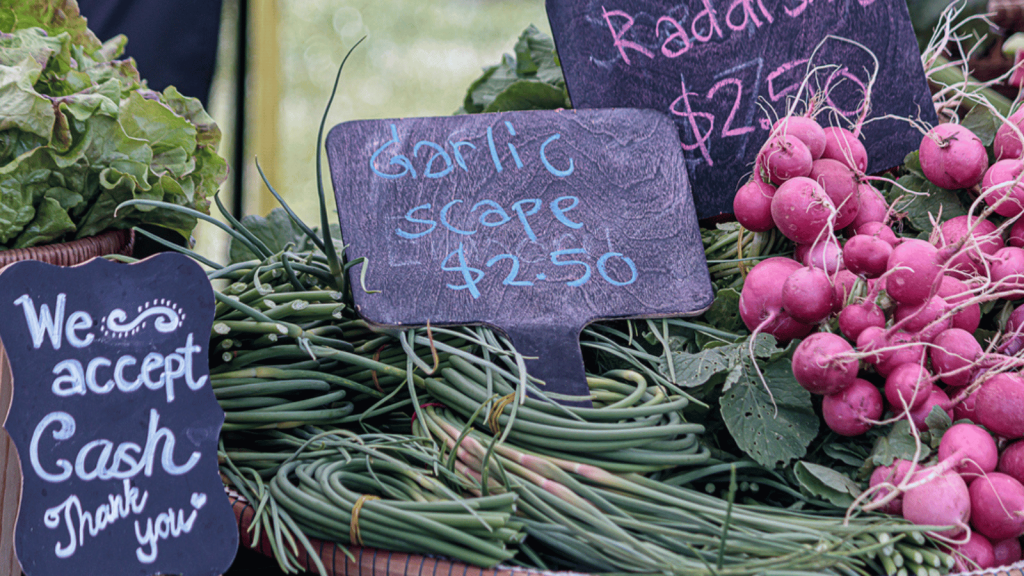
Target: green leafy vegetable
[938,421]
[769,437]
[530,80]
[724,312]
[824,482]
[983,123]
[694,369]
[277,230]
[898,443]
[924,201]
[80,133]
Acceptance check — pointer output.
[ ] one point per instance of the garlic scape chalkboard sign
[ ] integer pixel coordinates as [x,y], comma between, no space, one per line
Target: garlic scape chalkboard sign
[114,419]
[536,223]
[717,66]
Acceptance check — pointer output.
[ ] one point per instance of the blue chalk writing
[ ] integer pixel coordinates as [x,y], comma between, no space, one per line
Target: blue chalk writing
[472,276]
[586,275]
[559,212]
[408,216]
[544,159]
[399,160]
[444,219]
[602,262]
[439,153]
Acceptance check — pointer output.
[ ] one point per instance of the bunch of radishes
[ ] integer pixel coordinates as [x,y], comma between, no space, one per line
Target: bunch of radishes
[971,487]
[906,309]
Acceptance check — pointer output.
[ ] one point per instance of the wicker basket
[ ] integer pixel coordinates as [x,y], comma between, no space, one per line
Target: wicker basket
[69,254]
[374,562]
[371,561]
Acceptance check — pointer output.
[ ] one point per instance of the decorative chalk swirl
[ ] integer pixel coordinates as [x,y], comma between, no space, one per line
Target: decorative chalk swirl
[167,320]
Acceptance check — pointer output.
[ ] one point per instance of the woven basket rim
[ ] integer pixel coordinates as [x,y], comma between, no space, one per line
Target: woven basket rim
[74,252]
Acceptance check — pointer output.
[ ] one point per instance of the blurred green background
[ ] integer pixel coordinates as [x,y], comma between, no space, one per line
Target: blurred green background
[417,60]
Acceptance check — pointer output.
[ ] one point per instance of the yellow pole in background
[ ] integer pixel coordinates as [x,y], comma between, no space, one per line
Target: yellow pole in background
[262,92]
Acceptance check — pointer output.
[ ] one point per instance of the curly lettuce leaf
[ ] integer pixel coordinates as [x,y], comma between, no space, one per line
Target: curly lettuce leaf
[80,131]
[50,223]
[21,108]
[54,16]
[530,80]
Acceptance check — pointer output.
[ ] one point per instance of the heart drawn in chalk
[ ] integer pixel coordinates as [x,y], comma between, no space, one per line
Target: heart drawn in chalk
[198,500]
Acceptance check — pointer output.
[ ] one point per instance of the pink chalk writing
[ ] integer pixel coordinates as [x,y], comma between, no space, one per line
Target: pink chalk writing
[749,15]
[679,34]
[692,117]
[776,95]
[617,35]
[726,130]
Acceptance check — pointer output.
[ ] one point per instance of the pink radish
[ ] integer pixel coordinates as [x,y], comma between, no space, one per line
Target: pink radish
[970,449]
[784,157]
[879,230]
[908,386]
[806,129]
[956,292]
[873,207]
[855,318]
[802,210]
[851,411]
[907,349]
[954,355]
[940,500]
[842,187]
[1006,551]
[1013,338]
[1016,238]
[964,410]
[807,295]
[871,339]
[867,255]
[822,364]
[968,262]
[842,145]
[761,300]
[1015,323]
[825,255]
[936,397]
[1000,405]
[752,206]
[997,506]
[975,554]
[927,319]
[1011,461]
[1002,187]
[894,475]
[953,157]
[914,272]
[844,283]
[1007,271]
[1007,144]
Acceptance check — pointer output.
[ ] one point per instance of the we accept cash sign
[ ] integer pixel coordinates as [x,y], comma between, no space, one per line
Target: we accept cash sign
[114,419]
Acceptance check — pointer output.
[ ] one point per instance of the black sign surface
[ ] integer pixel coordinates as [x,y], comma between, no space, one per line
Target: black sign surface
[114,419]
[536,223]
[715,65]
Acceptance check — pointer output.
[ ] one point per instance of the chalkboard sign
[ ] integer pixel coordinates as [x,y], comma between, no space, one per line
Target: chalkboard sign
[536,223]
[114,419]
[716,65]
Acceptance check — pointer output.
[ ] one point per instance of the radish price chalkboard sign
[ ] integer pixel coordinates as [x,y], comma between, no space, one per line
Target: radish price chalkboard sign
[718,66]
[114,419]
[536,223]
